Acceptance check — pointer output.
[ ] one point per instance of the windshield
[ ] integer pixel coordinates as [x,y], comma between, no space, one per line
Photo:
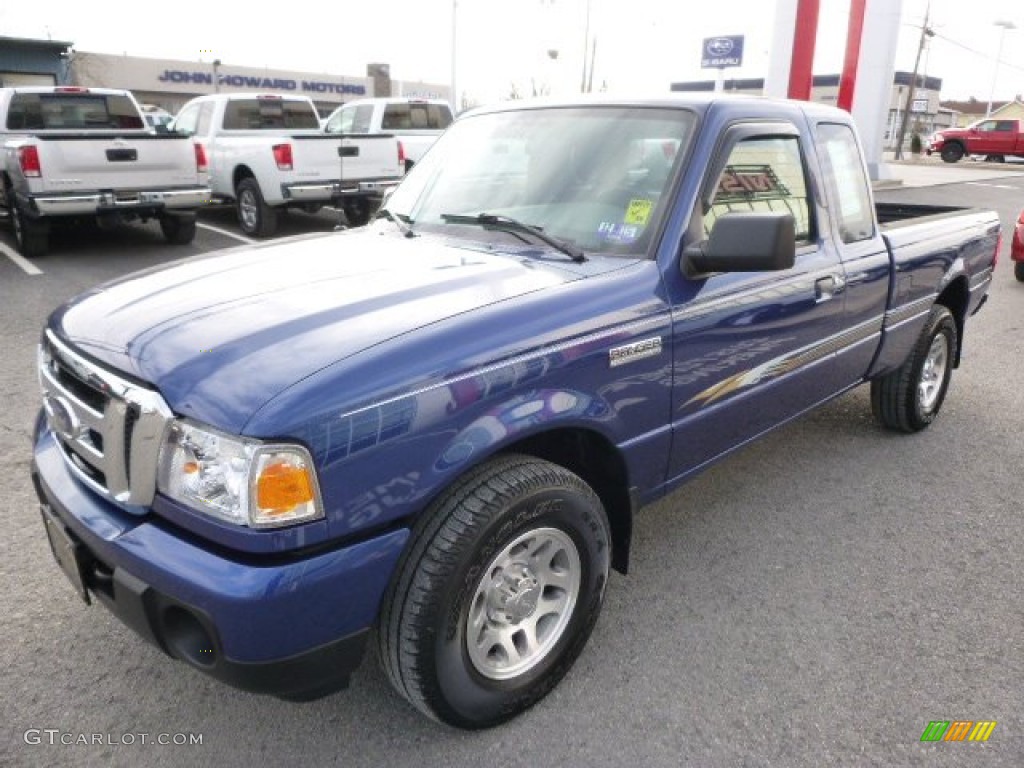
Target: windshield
[593,176]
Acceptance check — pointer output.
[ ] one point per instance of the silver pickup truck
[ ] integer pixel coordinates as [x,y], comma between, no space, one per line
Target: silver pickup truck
[87,152]
[267,153]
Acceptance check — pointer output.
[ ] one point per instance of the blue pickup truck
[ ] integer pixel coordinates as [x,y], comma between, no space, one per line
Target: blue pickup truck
[431,434]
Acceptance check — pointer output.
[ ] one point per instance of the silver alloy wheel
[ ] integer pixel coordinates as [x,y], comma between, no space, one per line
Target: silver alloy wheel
[248,208]
[933,372]
[523,603]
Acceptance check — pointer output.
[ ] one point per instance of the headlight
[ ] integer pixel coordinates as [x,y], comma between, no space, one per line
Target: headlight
[243,481]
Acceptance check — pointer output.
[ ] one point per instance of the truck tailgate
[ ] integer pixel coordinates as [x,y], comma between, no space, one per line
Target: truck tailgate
[78,162]
[350,158]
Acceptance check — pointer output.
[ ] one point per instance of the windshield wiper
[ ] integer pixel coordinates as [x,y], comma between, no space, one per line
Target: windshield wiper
[514,226]
[401,221]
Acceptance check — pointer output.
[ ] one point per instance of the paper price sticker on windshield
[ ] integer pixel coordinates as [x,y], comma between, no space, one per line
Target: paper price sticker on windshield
[638,212]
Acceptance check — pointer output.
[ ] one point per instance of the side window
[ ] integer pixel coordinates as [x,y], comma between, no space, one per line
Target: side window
[205,116]
[988,125]
[846,182]
[187,120]
[361,119]
[1006,125]
[764,174]
[341,121]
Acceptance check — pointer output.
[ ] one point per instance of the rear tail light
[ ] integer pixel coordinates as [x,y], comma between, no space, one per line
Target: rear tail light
[28,158]
[401,155]
[283,156]
[201,164]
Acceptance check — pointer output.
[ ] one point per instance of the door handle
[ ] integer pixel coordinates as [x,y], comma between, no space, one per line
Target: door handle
[827,287]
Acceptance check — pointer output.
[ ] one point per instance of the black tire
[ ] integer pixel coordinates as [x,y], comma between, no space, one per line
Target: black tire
[255,217]
[358,211]
[31,235]
[178,229]
[995,159]
[909,398]
[459,560]
[1018,270]
[952,153]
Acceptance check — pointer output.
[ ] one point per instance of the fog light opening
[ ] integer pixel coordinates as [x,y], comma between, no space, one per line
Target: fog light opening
[186,638]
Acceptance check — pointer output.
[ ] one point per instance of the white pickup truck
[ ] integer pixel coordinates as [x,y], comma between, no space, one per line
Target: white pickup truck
[77,152]
[416,122]
[268,153]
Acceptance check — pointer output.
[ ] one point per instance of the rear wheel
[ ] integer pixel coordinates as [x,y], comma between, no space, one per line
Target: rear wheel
[1018,270]
[178,229]
[909,398]
[255,217]
[31,235]
[951,153]
[357,211]
[497,594]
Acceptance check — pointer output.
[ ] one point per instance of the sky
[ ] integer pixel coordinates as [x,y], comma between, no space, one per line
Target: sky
[639,46]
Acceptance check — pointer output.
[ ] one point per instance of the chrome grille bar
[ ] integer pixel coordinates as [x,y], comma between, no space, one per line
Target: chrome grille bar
[130,427]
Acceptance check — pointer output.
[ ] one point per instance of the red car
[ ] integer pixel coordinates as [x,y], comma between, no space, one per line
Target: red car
[1017,249]
[996,139]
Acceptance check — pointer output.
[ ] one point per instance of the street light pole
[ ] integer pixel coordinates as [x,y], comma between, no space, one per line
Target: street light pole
[455,98]
[926,32]
[1004,25]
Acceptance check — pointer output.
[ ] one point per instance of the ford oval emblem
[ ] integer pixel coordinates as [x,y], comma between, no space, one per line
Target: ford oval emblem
[61,416]
[720,46]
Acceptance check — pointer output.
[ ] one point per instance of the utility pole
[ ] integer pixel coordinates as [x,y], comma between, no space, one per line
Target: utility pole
[586,46]
[926,32]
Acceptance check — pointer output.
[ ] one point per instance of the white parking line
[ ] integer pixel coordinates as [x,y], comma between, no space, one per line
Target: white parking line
[20,260]
[227,233]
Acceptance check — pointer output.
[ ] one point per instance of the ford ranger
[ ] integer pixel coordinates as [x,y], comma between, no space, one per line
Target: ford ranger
[87,152]
[440,426]
[267,154]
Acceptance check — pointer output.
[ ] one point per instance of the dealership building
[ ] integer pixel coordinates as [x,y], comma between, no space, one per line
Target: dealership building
[170,83]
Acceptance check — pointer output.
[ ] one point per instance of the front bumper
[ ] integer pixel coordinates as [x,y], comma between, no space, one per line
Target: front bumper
[106,202]
[294,627]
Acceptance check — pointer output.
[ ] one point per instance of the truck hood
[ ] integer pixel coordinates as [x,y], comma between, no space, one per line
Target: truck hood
[220,336]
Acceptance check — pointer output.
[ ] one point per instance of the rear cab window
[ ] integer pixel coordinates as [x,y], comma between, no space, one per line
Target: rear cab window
[72,111]
[415,116]
[350,119]
[269,114]
[846,182]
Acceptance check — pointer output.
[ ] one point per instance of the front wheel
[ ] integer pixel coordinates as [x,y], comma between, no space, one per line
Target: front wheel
[497,594]
[255,217]
[909,398]
[952,153]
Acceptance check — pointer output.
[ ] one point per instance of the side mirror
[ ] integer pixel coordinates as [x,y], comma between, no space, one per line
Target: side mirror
[745,242]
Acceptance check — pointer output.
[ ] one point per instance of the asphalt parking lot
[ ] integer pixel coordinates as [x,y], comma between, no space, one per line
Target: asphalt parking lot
[817,599]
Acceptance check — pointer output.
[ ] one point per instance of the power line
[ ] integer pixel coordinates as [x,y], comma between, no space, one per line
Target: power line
[967,48]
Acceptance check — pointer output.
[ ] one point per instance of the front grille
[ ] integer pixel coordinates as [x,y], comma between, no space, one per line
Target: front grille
[110,429]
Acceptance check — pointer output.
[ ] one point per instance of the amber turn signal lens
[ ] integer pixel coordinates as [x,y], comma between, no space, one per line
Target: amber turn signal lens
[281,487]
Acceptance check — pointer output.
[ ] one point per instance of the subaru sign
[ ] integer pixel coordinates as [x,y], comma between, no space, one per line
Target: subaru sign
[722,52]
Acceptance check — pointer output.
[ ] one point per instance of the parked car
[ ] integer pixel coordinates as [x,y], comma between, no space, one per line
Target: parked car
[1017,249]
[440,426]
[416,122]
[87,152]
[267,153]
[995,139]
